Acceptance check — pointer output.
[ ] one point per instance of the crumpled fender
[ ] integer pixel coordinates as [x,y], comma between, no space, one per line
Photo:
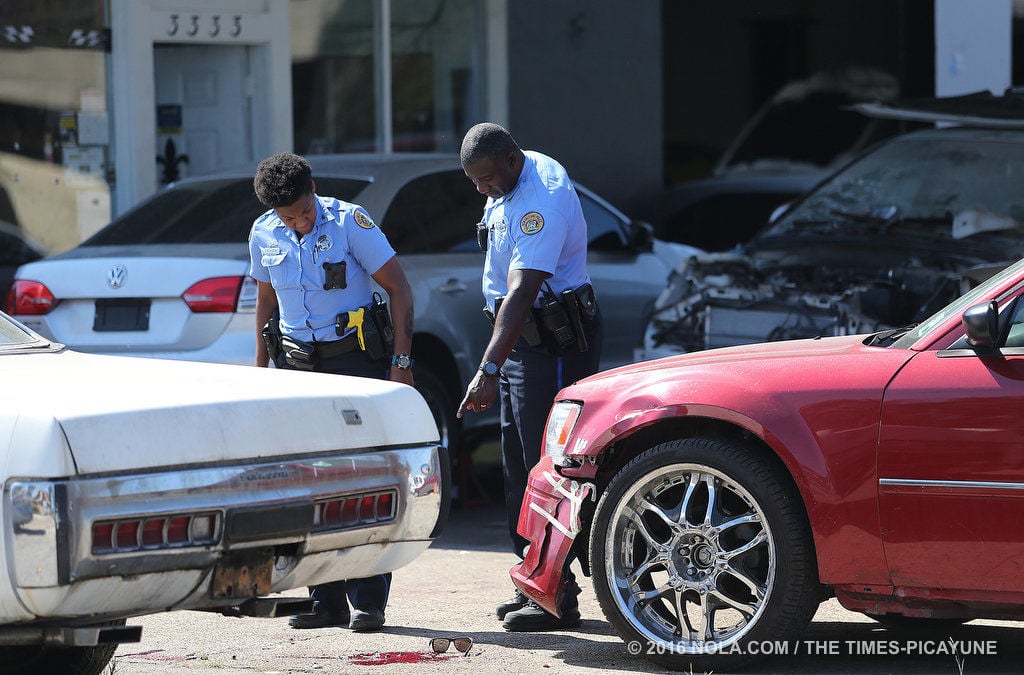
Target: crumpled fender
[550,520]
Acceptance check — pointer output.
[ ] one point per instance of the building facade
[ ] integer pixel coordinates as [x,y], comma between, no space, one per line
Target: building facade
[102,102]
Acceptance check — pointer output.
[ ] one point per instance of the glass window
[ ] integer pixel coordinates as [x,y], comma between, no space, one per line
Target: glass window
[214,211]
[435,79]
[604,228]
[435,213]
[54,130]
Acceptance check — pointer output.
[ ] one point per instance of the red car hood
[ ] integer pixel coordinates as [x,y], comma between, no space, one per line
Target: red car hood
[767,382]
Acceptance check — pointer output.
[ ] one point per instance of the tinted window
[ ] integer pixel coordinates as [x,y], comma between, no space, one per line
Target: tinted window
[719,222]
[15,251]
[212,212]
[604,228]
[435,213]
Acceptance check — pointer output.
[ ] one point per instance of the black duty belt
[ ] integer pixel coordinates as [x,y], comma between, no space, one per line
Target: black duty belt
[329,350]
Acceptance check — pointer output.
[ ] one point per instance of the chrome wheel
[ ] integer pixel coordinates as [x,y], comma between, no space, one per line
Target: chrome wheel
[700,547]
[691,556]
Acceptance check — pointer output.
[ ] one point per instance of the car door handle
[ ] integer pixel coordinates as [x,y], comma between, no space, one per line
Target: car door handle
[453,285]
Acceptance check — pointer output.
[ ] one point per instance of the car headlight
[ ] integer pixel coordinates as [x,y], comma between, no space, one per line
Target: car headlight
[561,421]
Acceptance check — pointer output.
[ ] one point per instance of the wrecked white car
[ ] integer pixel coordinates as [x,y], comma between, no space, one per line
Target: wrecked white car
[133,486]
[885,242]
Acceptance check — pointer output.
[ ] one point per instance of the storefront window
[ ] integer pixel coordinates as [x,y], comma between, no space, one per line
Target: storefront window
[338,74]
[54,128]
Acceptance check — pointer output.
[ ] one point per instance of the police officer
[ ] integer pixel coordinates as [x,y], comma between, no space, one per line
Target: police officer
[536,243]
[313,259]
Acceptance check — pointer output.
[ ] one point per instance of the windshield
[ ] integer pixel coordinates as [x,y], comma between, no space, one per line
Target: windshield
[955,189]
[12,334]
[957,307]
[214,211]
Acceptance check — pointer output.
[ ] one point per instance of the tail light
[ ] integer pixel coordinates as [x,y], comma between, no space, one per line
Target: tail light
[219,294]
[179,530]
[29,298]
[339,513]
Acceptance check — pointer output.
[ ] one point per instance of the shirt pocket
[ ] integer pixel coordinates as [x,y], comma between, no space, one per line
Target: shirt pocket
[278,272]
[500,238]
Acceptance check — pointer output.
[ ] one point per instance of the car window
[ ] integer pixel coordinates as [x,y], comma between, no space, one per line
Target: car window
[214,211]
[604,227]
[13,334]
[435,213]
[15,251]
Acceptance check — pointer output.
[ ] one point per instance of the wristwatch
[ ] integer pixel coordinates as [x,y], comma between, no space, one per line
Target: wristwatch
[489,368]
[403,361]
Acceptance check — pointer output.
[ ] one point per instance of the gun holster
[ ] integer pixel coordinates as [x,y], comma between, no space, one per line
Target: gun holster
[298,354]
[271,334]
[560,320]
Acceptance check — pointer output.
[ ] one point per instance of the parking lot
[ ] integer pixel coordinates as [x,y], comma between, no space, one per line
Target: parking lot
[451,590]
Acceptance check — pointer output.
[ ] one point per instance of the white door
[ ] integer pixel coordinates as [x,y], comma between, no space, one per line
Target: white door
[206,89]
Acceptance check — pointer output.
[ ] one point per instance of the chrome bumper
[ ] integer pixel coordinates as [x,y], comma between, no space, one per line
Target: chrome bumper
[279,525]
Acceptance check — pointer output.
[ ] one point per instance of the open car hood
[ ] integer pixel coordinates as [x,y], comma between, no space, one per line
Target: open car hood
[978,109]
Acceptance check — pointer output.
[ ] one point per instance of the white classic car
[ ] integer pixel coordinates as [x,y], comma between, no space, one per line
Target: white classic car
[134,486]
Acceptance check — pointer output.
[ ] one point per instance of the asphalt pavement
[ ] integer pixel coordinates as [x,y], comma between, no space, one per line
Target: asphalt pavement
[451,590]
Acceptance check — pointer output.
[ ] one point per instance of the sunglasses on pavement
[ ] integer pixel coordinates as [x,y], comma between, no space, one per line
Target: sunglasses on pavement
[462,644]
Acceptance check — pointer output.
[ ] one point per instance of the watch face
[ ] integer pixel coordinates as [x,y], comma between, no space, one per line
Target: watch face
[490,369]
[402,360]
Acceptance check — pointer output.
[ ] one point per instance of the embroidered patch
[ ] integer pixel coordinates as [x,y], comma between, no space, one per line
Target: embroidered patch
[532,223]
[324,243]
[270,250]
[363,220]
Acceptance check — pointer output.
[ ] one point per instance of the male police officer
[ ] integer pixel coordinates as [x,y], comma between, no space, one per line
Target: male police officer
[313,258]
[547,328]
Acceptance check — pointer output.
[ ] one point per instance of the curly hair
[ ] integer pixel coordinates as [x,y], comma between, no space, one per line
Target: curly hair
[282,179]
[486,140]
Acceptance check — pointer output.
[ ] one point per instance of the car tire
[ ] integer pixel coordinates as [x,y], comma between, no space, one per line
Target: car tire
[32,660]
[702,556]
[442,407]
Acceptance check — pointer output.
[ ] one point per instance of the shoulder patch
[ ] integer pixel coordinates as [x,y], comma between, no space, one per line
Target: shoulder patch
[532,223]
[363,220]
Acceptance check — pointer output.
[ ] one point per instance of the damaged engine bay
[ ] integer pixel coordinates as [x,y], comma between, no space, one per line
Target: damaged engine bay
[728,299]
[884,243]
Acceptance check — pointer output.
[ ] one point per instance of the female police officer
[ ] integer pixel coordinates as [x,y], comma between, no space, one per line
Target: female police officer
[536,241]
[313,258]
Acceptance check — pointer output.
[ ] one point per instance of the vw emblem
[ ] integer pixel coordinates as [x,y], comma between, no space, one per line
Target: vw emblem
[117,275]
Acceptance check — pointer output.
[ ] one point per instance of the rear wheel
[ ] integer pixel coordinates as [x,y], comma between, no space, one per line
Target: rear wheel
[32,660]
[702,555]
[433,391]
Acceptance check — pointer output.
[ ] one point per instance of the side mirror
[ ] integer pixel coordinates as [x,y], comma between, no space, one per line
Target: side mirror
[641,236]
[982,325]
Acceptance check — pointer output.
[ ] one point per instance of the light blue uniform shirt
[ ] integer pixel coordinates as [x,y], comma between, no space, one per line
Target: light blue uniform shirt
[539,225]
[343,232]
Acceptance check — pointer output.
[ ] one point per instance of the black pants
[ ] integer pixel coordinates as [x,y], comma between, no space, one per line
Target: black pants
[364,594]
[530,379]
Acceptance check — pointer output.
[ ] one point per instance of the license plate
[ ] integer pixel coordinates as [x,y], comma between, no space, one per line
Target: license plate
[121,315]
[243,574]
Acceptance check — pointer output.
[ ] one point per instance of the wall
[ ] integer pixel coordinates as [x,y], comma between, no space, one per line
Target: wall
[585,87]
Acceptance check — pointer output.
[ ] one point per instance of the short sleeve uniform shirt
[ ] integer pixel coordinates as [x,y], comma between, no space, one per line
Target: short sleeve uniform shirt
[294,267]
[539,225]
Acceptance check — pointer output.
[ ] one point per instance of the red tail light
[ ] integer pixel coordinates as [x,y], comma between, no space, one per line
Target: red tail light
[29,297]
[219,294]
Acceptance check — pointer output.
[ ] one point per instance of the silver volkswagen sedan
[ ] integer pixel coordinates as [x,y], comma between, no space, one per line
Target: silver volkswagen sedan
[169,278]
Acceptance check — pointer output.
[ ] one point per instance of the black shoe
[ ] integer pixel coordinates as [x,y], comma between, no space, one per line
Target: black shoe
[516,602]
[367,621]
[319,618]
[533,617]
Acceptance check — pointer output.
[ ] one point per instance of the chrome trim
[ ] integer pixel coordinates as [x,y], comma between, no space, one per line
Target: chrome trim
[916,482]
[46,552]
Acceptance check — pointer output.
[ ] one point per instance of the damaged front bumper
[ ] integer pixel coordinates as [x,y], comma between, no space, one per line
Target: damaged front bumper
[550,520]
